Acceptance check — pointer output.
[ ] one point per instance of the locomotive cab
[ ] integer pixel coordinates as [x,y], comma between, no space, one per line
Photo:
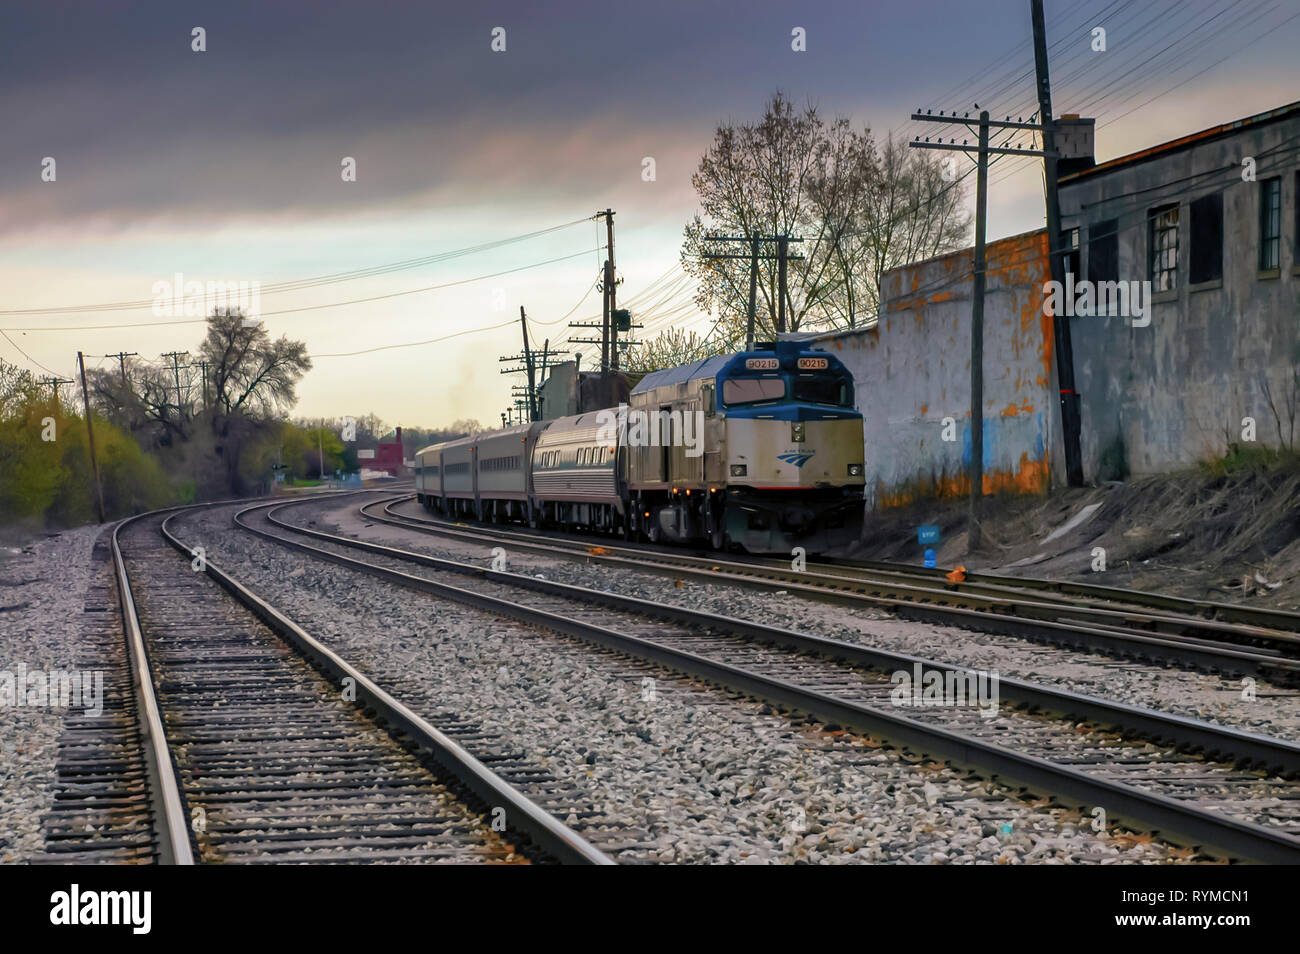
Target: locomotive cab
[794,450]
[761,451]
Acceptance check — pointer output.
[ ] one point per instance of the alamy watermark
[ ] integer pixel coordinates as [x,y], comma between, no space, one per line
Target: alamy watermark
[195,299]
[56,689]
[1089,299]
[636,428]
[925,688]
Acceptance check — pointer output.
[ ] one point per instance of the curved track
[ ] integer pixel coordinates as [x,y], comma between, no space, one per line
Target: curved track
[1238,802]
[262,745]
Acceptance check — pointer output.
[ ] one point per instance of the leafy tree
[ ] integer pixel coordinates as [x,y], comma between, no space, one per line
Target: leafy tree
[45,470]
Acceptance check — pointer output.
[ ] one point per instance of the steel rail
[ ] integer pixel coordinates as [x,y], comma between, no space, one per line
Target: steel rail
[900,582]
[997,617]
[170,818]
[524,816]
[1247,748]
[1209,609]
[1177,821]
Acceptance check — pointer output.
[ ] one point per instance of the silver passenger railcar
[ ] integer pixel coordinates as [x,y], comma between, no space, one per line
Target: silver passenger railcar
[577,479]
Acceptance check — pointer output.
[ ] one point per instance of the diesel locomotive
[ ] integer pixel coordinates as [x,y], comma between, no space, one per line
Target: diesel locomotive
[759,451]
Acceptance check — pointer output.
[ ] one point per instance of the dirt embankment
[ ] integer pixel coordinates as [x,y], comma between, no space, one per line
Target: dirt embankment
[1220,536]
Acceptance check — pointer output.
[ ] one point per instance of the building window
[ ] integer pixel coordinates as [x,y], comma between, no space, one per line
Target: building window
[1270,223]
[1162,236]
[1103,251]
[1070,255]
[1207,239]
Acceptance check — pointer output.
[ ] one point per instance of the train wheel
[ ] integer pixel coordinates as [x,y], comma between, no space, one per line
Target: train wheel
[718,538]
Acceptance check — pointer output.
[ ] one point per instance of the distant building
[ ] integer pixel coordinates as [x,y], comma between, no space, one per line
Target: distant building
[385,456]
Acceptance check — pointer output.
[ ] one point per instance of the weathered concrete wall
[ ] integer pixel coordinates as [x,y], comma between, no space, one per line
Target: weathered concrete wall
[912,370]
[1175,392]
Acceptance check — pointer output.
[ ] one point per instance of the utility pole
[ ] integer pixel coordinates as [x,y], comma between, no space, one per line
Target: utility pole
[54,383]
[983,151]
[90,435]
[782,247]
[608,337]
[611,291]
[320,446]
[977,342]
[1070,411]
[782,256]
[532,370]
[526,363]
[121,361]
[203,369]
[176,373]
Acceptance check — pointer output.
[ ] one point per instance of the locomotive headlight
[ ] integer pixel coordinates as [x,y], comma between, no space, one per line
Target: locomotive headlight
[855,470]
[796,431]
[739,470]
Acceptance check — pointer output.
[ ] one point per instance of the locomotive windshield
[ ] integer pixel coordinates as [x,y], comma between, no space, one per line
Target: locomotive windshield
[753,390]
[816,389]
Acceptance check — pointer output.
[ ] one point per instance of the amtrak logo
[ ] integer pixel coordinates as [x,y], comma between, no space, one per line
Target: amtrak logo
[798,458]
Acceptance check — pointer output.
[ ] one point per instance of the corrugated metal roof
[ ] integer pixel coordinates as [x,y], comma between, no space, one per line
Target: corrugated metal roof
[708,368]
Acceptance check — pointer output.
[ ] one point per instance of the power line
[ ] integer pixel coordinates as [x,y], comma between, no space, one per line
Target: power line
[26,355]
[457,334]
[335,304]
[303,283]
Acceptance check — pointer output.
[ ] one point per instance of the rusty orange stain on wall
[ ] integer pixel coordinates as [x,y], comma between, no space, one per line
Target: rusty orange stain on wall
[1030,477]
[1017,268]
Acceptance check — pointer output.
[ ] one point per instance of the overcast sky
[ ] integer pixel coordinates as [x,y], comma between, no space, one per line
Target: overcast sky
[225,164]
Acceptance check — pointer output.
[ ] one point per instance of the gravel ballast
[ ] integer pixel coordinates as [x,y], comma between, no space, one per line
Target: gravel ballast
[694,773]
[42,595]
[1268,709]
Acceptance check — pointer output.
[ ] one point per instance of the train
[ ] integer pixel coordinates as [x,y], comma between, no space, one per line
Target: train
[760,451]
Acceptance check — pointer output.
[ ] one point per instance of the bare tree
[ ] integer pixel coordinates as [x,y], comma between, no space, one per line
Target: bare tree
[858,212]
[249,373]
[673,347]
[913,212]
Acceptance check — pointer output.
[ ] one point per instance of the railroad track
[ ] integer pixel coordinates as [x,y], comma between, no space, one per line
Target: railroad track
[101,812]
[1222,790]
[1056,616]
[259,744]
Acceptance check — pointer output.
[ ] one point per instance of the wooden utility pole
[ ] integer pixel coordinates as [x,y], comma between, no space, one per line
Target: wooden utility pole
[526,363]
[983,151]
[977,340]
[90,435]
[611,291]
[1070,412]
[121,361]
[782,248]
[532,369]
[203,369]
[176,373]
[54,383]
[782,256]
